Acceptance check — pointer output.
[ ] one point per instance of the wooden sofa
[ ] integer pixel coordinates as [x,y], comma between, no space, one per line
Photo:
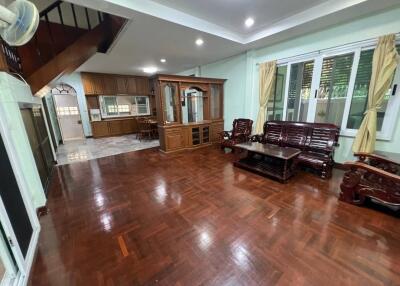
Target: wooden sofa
[317,142]
[372,176]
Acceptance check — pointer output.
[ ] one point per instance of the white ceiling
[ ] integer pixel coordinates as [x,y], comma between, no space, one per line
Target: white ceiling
[231,14]
[168,28]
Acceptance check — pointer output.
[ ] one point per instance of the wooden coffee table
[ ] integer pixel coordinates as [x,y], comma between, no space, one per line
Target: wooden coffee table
[269,160]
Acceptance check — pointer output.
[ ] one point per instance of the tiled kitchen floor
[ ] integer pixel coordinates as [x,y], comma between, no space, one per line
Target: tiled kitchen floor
[83,150]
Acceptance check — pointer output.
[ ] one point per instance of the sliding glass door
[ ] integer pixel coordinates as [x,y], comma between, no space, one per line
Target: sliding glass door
[299,90]
[333,88]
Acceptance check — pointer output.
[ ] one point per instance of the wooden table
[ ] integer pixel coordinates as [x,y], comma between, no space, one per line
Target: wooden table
[267,159]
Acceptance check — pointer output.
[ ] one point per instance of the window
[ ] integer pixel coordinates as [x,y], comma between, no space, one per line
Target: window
[332,87]
[124,105]
[67,110]
[360,93]
[299,90]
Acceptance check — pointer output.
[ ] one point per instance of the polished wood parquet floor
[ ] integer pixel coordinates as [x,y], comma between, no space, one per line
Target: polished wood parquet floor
[146,218]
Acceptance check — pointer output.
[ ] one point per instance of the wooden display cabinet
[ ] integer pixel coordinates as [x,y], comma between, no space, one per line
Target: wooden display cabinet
[189,111]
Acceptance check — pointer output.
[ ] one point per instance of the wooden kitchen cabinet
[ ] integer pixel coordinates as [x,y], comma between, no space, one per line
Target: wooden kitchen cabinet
[121,85]
[131,85]
[114,127]
[108,84]
[100,129]
[111,84]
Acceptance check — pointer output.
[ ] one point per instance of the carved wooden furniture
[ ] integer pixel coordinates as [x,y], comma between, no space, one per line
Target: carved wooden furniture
[269,159]
[372,176]
[189,111]
[240,133]
[315,140]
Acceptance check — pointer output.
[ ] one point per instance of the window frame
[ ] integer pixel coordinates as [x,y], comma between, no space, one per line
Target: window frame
[121,114]
[393,106]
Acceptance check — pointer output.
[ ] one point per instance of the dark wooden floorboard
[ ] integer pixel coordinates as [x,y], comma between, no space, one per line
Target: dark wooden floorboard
[146,218]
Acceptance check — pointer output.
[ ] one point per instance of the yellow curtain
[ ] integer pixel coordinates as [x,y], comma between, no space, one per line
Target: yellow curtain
[384,64]
[267,85]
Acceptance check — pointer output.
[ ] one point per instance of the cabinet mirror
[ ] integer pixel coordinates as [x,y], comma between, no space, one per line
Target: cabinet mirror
[192,101]
[170,103]
[216,98]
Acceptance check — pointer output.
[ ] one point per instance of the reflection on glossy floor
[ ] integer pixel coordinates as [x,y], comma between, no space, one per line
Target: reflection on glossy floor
[146,218]
[88,149]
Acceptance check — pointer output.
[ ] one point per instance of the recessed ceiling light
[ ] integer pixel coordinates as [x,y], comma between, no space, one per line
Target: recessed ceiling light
[150,69]
[163,60]
[199,42]
[249,22]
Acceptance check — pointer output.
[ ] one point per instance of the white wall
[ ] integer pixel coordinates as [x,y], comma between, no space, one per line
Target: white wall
[12,93]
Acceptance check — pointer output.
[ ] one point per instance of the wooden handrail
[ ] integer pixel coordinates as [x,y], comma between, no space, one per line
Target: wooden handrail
[375,156]
[371,169]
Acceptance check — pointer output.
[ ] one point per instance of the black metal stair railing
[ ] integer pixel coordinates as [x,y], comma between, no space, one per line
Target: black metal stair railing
[11,56]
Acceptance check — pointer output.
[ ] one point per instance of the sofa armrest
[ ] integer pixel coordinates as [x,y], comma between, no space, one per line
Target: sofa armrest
[225,135]
[257,138]
[373,170]
[362,156]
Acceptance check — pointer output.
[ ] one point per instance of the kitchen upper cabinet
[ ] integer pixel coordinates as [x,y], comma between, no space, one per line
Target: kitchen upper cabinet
[142,86]
[87,83]
[109,84]
[131,85]
[121,85]
[92,83]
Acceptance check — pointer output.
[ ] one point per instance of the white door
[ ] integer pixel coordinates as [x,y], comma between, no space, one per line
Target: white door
[68,116]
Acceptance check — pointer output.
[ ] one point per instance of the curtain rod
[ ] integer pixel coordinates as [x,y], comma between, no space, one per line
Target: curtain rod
[367,41]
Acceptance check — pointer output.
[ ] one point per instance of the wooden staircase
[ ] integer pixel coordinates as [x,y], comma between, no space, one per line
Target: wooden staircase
[68,35]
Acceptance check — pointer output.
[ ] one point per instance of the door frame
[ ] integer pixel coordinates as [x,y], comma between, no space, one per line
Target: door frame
[53,95]
[24,264]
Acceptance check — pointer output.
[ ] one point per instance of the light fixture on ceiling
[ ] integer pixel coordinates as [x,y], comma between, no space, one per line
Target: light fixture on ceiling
[249,22]
[163,60]
[150,69]
[199,42]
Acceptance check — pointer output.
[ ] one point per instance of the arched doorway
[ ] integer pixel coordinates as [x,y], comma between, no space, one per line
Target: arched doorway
[69,118]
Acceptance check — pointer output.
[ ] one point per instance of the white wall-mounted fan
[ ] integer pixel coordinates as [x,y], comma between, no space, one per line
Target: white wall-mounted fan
[18,22]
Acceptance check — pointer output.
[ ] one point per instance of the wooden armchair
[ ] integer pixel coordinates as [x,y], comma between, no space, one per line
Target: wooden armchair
[240,133]
[374,177]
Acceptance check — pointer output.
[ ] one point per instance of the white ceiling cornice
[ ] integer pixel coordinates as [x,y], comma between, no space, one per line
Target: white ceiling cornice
[158,10]
[303,17]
